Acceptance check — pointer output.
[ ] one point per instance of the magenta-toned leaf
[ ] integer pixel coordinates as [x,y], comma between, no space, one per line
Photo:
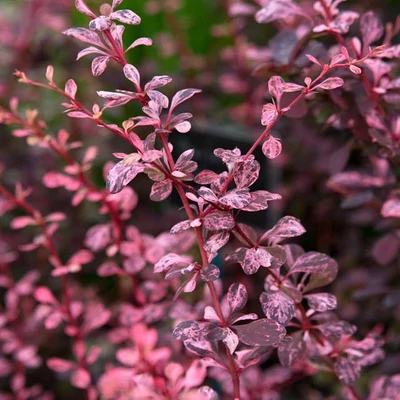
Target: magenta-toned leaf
[99,64]
[336,329]
[286,227]
[158,97]
[188,330]
[132,73]
[98,237]
[71,88]
[144,41]
[84,35]
[183,127]
[209,273]
[80,378]
[169,260]
[289,87]
[386,249]
[116,3]
[22,222]
[330,84]
[237,296]
[354,180]
[59,365]
[161,190]
[182,96]
[313,59]
[195,374]
[120,175]
[337,59]
[371,28]
[272,147]
[344,20]
[230,340]
[321,302]
[277,9]
[391,208]
[236,198]
[247,258]
[217,241]
[44,295]
[181,226]
[100,23]
[246,173]
[205,177]
[207,194]
[126,17]
[219,220]
[355,70]
[269,114]
[82,7]
[228,156]
[264,332]
[276,87]
[277,306]
[347,371]
[292,351]
[259,200]
[322,268]
[157,82]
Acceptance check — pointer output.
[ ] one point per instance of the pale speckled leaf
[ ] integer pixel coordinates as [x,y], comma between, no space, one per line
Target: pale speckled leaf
[264,332]
[237,296]
[277,306]
[321,302]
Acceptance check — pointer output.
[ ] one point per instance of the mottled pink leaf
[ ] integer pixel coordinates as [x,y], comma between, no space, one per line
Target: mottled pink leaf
[277,9]
[71,88]
[330,84]
[272,147]
[157,82]
[237,297]
[371,28]
[182,96]
[215,242]
[132,73]
[290,352]
[236,198]
[277,306]
[181,226]
[98,237]
[343,21]
[230,339]
[84,35]
[246,173]
[188,330]
[99,64]
[264,332]
[100,23]
[336,329]
[269,114]
[169,260]
[286,227]
[161,190]
[82,7]
[276,88]
[219,220]
[195,374]
[126,17]
[259,200]
[209,273]
[205,177]
[347,371]
[144,41]
[121,174]
[321,302]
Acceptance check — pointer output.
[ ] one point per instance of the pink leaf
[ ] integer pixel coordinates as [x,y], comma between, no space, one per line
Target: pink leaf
[355,70]
[264,332]
[183,127]
[259,200]
[277,306]
[385,249]
[98,237]
[237,297]
[100,24]
[140,42]
[322,302]
[161,190]
[391,208]
[219,220]
[347,371]
[43,295]
[205,177]
[275,10]
[290,352]
[285,228]
[126,17]
[272,147]
[330,84]
[158,97]
[71,88]
[84,35]
[99,64]
[168,261]
[80,378]
[181,226]
[207,194]
[230,339]
[81,6]
[195,374]
[215,242]
[59,365]
[121,174]
[236,198]
[276,88]
[157,82]
[209,273]
[182,96]
[22,222]
[246,173]
[269,114]
[132,73]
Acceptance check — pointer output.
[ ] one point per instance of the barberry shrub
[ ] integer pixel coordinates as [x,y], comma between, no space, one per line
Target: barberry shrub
[213,308]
